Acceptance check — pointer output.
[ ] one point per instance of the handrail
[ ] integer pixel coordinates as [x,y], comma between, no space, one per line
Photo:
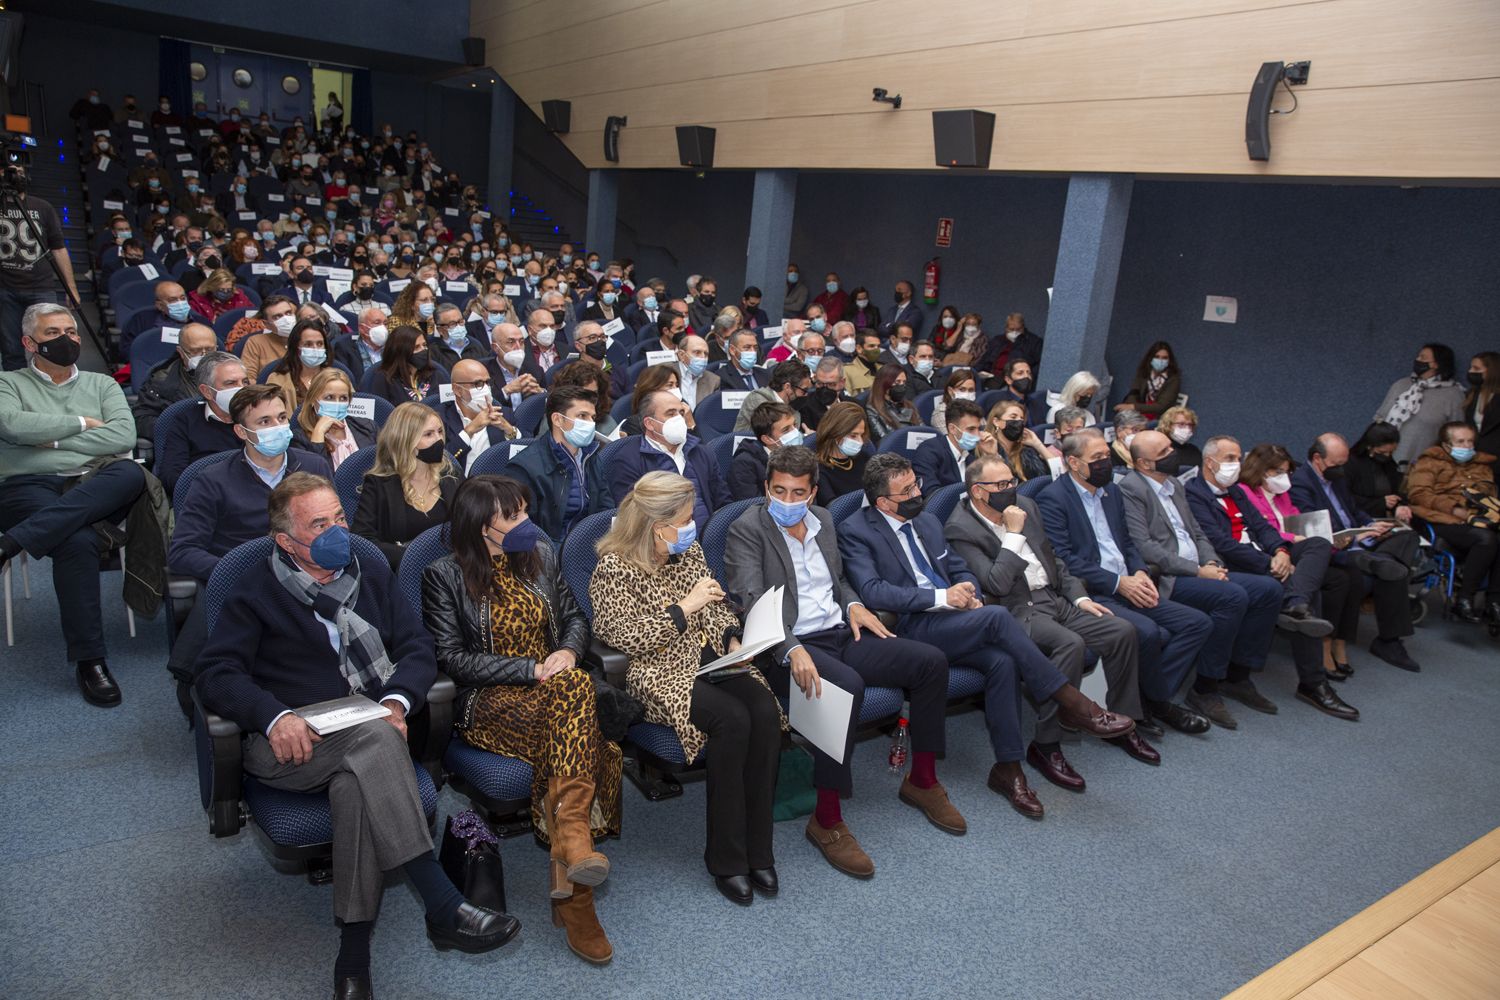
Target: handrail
[583,198]
[37,114]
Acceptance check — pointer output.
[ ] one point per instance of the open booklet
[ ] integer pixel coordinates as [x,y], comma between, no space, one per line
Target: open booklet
[326,717]
[1317,524]
[763,629]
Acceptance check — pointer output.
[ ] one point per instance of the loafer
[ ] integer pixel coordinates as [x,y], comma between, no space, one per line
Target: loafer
[1212,707]
[1017,792]
[735,888]
[764,881]
[1393,651]
[935,806]
[1138,748]
[1297,618]
[1245,693]
[1463,610]
[1055,767]
[1340,672]
[476,929]
[1095,721]
[1184,720]
[353,988]
[1322,697]
[98,687]
[840,849]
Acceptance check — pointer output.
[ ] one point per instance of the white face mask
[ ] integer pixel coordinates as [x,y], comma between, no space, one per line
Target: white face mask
[479,398]
[971,330]
[378,335]
[1278,484]
[191,362]
[949,322]
[223,397]
[862,303]
[674,430]
[546,338]
[1228,474]
[514,358]
[901,348]
[964,395]
[1182,434]
[1011,335]
[847,345]
[284,324]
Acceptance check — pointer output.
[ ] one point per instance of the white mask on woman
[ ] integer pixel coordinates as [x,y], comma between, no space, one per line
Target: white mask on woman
[1278,484]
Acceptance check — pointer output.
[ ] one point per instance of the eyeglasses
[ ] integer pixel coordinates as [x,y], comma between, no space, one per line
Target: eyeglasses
[476,384]
[1000,484]
[915,489]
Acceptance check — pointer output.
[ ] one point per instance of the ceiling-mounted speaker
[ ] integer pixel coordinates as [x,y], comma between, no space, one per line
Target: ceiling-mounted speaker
[962,138]
[557,114]
[612,126]
[1258,113]
[695,145]
[473,51]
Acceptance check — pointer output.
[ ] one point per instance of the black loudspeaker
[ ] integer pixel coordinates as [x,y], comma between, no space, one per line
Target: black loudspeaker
[612,126]
[962,138]
[695,145]
[1258,114]
[557,114]
[473,51]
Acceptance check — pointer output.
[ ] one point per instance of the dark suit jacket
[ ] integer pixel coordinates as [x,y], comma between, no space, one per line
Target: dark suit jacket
[911,314]
[1001,572]
[1309,494]
[747,470]
[1151,531]
[1214,520]
[1072,534]
[756,559]
[632,463]
[498,377]
[551,479]
[934,464]
[875,561]
[1488,439]
[453,425]
[347,353]
[731,379]
[224,202]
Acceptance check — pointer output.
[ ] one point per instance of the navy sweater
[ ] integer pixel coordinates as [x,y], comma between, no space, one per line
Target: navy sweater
[268,653]
[189,439]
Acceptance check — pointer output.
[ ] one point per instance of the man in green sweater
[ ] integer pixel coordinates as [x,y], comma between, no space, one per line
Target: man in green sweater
[57,425]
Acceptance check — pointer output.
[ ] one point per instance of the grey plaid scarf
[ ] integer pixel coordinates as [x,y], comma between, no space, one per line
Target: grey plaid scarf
[362,658]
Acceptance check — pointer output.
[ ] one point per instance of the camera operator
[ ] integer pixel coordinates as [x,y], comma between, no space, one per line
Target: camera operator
[26,276]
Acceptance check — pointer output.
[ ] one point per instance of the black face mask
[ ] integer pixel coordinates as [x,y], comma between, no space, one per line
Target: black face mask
[1084,402]
[381,269]
[825,395]
[407,260]
[306,277]
[1014,429]
[595,350]
[1333,472]
[211,264]
[896,393]
[898,298]
[558,315]
[1418,368]
[1170,464]
[911,507]
[1476,379]
[340,249]
[1101,473]
[419,360]
[1002,499]
[706,300]
[61,351]
[432,453]
[363,294]
[1021,386]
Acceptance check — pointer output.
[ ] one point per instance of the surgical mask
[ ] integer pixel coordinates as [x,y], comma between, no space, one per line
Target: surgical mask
[1278,484]
[786,514]
[330,550]
[970,331]
[697,366]
[333,410]
[967,441]
[272,441]
[312,357]
[494,319]
[817,325]
[851,446]
[862,303]
[791,438]
[674,430]
[1159,364]
[949,322]
[686,536]
[533,279]
[424,309]
[567,259]
[650,302]
[283,324]
[321,239]
[832,287]
[846,345]
[1461,455]
[900,348]
[1011,335]
[923,366]
[610,297]
[1182,434]
[580,434]
[811,362]
[748,359]
[1228,474]
[546,338]
[791,277]
[964,395]
[223,397]
[378,335]
[457,341]
[514,359]
[179,311]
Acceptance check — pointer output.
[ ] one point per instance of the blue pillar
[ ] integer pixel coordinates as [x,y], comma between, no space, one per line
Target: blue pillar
[1083,285]
[770,244]
[604,213]
[502,147]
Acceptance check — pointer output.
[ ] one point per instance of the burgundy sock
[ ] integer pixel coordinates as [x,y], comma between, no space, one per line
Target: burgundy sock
[924,768]
[827,812]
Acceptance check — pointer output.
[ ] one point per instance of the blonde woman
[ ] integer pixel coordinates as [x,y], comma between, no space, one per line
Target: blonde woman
[411,486]
[323,423]
[655,599]
[1022,449]
[414,306]
[217,294]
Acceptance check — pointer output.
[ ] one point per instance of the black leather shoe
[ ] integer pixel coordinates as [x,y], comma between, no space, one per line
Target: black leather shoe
[476,929]
[1321,697]
[1378,566]
[763,880]
[735,888]
[1297,618]
[1394,652]
[353,988]
[1183,720]
[1463,610]
[98,687]
[1148,726]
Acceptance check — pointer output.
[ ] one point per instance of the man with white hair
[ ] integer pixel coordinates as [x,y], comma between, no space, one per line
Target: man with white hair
[361,352]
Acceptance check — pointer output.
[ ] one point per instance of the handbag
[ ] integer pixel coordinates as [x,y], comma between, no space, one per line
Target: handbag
[616,709]
[470,857]
[795,795]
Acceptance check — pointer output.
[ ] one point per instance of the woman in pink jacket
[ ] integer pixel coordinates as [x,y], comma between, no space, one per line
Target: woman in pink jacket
[1266,475]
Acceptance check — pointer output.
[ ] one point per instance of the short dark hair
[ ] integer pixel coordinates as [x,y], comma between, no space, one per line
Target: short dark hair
[1377,435]
[1442,359]
[793,460]
[1010,366]
[561,397]
[882,467]
[958,408]
[788,373]
[751,292]
[764,417]
[252,396]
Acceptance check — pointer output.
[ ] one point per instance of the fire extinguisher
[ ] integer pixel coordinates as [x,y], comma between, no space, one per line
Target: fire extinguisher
[932,274]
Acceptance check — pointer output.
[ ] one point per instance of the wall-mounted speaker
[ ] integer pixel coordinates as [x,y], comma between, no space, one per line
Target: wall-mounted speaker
[695,145]
[612,126]
[473,51]
[557,115]
[1258,113]
[962,138]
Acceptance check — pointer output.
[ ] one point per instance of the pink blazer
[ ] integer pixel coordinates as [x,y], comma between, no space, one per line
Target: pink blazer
[1273,509]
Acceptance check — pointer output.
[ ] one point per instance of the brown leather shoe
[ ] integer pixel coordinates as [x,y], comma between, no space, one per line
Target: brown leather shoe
[1016,792]
[1133,744]
[840,848]
[934,805]
[1089,717]
[585,934]
[1055,768]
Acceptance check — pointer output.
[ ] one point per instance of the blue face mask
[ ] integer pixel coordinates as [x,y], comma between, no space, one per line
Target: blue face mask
[967,441]
[850,447]
[818,325]
[697,366]
[179,310]
[812,363]
[522,538]
[533,279]
[424,309]
[312,357]
[272,441]
[1462,455]
[791,277]
[791,438]
[330,550]
[494,319]
[322,240]
[786,514]
[609,298]
[516,259]
[748,359]
[458,341]
[650,302]
[686,536]
[923,367]
[567,259]
[388,247]
[580,434]
[1159,364]
[832,287]
[334,411]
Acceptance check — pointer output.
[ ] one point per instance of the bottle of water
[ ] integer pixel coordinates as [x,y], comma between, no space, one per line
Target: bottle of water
[900,745]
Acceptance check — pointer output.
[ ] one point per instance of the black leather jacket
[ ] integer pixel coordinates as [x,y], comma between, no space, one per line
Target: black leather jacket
[460,627]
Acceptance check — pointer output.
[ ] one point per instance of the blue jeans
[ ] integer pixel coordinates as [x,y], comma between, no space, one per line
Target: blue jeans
[12,304]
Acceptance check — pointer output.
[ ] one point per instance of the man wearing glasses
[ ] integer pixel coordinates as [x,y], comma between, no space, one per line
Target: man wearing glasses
[475,420]
[452,343]
[895,555]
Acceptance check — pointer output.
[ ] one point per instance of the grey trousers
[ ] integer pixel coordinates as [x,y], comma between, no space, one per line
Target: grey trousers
[1063,632]
[378,823]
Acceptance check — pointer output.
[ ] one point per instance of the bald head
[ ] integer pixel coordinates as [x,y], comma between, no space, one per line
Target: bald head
[196,339]
[1331,448]
[506,337]
[168,292]
[468,370]
[1150,448]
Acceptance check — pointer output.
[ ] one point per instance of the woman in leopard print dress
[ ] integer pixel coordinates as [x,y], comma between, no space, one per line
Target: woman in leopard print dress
[655,599]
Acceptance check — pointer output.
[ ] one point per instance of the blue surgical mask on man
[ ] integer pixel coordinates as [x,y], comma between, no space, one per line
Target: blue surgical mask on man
[791,438]
[272,442]
[748,359]
[817,325]
[1462,455]
[581,433]
[650,302]
[697,366]
[968,441]
[786,514]
[923,366]
[179,311]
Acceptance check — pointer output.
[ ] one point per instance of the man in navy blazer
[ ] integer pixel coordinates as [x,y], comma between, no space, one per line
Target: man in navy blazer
[666,446]
[899,560]
[1085,522]
[941,461]
[906,311]
[474,421]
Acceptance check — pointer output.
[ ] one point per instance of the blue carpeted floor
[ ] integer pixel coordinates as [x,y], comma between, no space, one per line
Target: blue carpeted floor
[1177,882]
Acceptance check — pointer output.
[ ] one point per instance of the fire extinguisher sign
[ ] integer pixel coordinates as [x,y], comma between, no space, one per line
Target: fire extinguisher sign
[945,233]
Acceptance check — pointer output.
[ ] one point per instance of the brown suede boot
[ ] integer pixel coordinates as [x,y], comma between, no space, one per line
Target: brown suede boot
[585,934]
[568,803]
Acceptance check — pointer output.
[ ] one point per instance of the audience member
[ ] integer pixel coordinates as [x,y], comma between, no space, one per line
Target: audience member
[513,373]
[305,359]
[559,468]
[665,445]
[797,293]
[1482,401]
[218,377]
[776,426]
[279,315]
[473,421]
[406,373]
[1017,344]
[1419,405]
[940,461]
[655,378]
[694,380]
[827,388]
[1079,390]
[921,363]
[863,313]
[889,408]
[175,378]
[323,424]
[1156,385]
[1018,444]
[450,342]
[842,452]
[960,385]
[833,300]
[785,348]
[362,350]
[411,485]
[741,373]
[789,382]
[905,311]
[964,345]
[217,294]
[1452,488]
[1180,424]
[1375,480]
[172,308]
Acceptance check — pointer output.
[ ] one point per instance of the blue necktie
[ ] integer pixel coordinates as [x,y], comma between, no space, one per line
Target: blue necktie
[919,558]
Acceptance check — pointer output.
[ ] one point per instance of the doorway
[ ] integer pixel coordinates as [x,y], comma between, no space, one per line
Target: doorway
[332,81]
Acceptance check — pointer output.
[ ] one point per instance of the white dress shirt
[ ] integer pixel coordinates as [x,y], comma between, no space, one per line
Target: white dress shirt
[478,442]
[1015,541]
[816,608]
[940,594]
[678,457]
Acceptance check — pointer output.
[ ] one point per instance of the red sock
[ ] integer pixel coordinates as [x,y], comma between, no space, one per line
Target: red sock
[924,769]
[827,812]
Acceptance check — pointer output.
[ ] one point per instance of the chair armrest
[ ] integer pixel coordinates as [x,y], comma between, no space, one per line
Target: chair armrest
[609,661]
[429,731]
[220,770]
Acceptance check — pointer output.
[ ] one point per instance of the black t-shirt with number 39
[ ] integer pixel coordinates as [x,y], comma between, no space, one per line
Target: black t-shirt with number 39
[21,265]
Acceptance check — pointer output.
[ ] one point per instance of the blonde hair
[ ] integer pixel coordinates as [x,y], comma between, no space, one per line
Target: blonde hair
[1012,449]
[308,417]
[1173,413]
[396,447]
[220,278]
[658,498]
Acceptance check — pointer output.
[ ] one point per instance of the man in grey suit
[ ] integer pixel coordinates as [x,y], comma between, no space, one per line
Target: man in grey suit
[786,542]
[1000,536]
[790,381]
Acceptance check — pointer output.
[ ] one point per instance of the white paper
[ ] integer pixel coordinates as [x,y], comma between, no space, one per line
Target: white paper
[484,215]
[733,399]
[264,269]
[278,198]
[912,440]
[102,166]
[148,271]
[115,206]
[516,449]
[823,721]
[372,190]
[397,284]
[1314,524]
[190,173]
[511,291]
[770,333]
[661,358]
[139,138]
[271,140]
[177,142]
[321,270]
[172,130]
[362,407]
[171,334]
[184,157]
[338,318]
[451,211]
[457,287]
[341,713]
[341,273]
[445,393]
[313,201]
[614,326]
[763,629]
[131,123]
[245,216]
[336,288]
[1220,309]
